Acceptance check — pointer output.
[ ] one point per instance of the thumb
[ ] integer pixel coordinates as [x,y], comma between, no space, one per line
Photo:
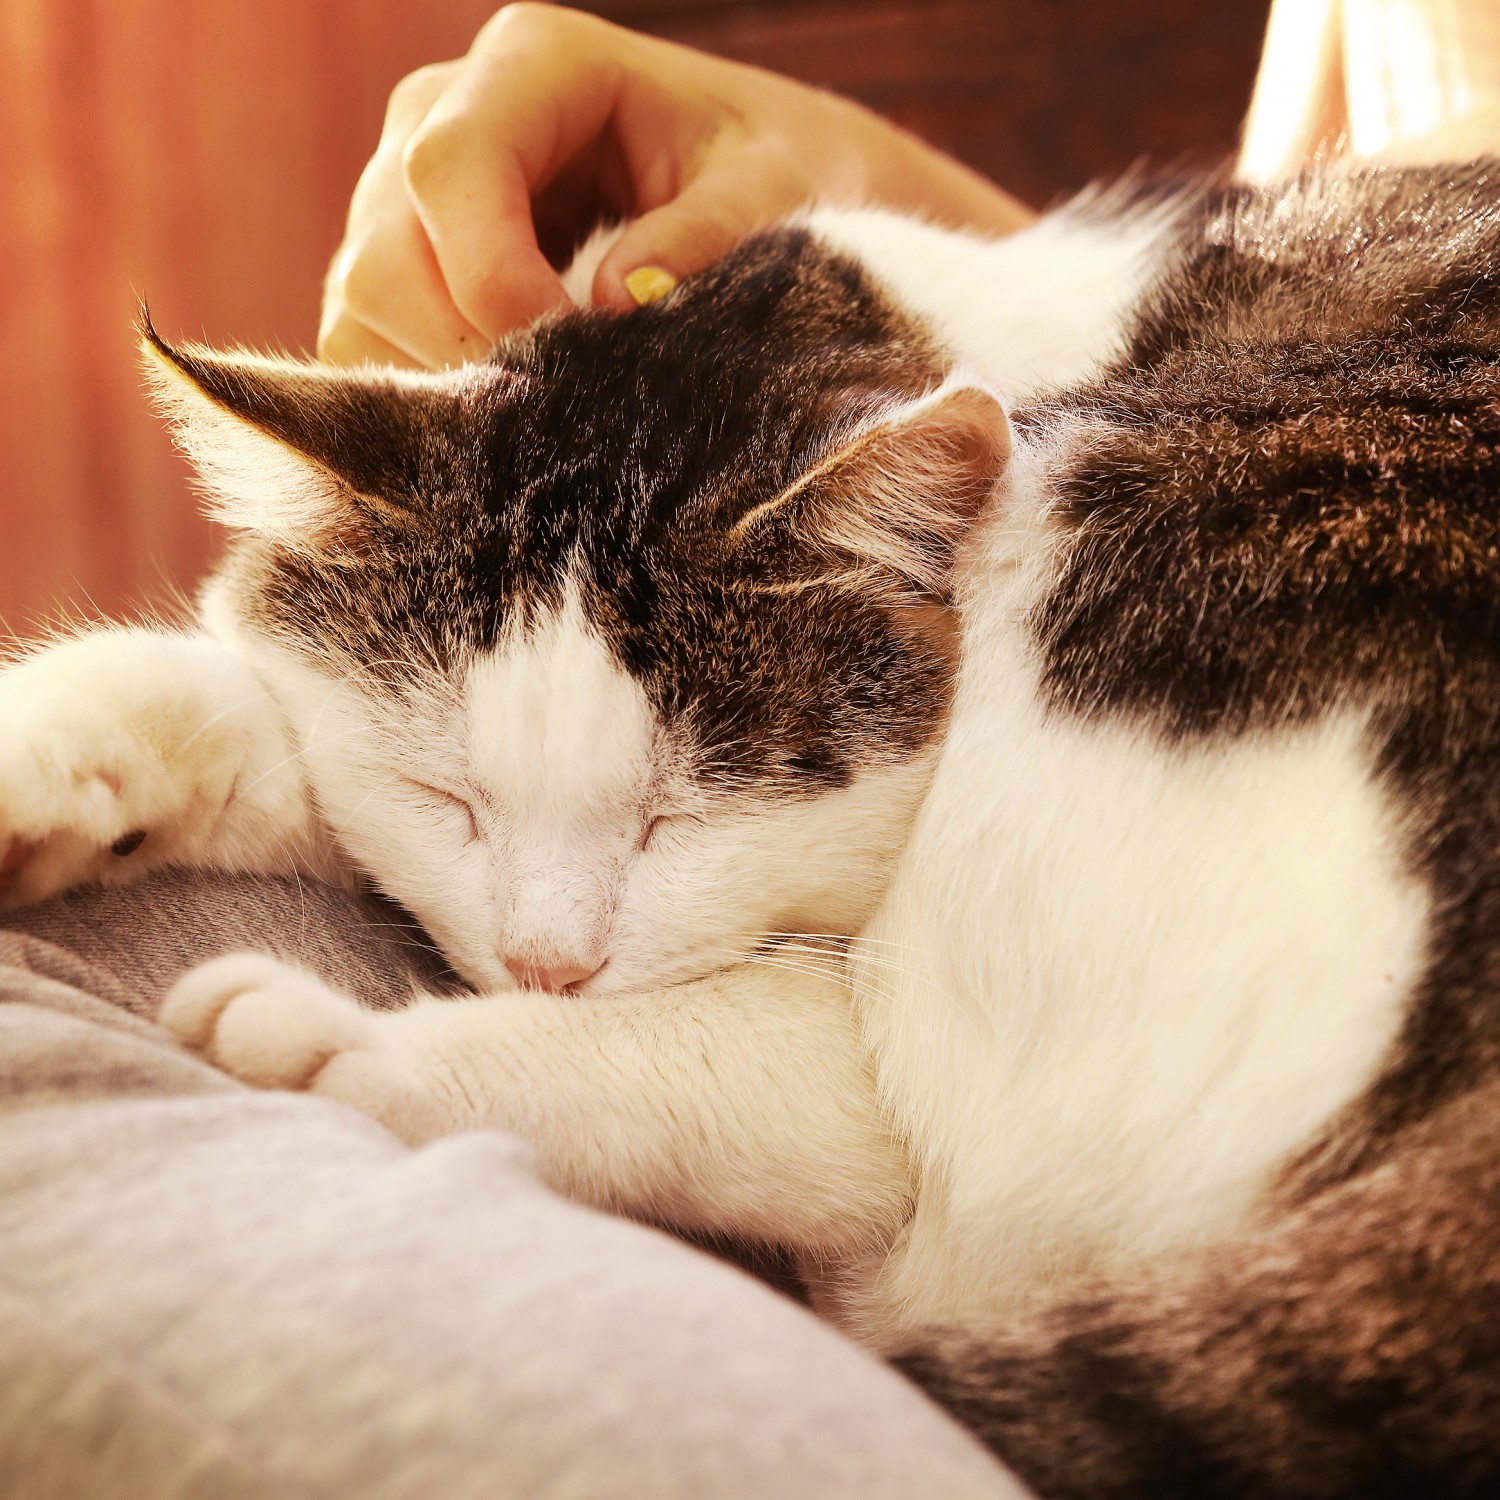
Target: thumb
[706,221]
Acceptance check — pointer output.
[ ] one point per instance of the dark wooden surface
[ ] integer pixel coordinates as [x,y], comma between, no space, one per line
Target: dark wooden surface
[201,152]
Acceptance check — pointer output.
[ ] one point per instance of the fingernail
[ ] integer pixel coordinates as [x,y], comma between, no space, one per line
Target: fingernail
[649,284]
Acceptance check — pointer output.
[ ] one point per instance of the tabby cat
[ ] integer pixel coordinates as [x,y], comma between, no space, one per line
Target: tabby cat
[1101,627]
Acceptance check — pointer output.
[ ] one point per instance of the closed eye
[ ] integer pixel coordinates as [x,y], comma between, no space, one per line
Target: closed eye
[451,799]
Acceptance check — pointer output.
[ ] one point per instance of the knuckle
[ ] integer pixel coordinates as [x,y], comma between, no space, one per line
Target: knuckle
[784,170]
[359,279]
[486,286]
[527,20]
[414,95]
[335,289]
[430,151]
[338,340]
[712,231]
[380,191]
[358,295]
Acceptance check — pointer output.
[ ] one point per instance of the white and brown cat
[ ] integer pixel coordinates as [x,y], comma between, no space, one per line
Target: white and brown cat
[1101,627]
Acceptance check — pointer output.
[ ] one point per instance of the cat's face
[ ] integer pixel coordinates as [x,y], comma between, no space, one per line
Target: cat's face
[614,655]
[547,821]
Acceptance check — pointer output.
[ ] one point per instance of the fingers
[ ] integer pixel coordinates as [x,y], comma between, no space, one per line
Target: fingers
[712,214]
[536,91]
[552,115]
[439,257]
[475,215]
[384,298]
[560,120]
[385,291]
[342,341]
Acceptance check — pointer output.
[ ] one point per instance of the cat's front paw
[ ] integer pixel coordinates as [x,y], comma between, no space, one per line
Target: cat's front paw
[266,1022]
[79,792]
[276,1026]
[126,749]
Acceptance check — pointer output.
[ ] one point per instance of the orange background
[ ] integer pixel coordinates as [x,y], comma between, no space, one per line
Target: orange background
[201,152]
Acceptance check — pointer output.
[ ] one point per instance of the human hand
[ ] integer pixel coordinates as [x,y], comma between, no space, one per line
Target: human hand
[491,169]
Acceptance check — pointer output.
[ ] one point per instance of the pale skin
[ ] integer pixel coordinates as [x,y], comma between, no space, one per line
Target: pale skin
[553,118]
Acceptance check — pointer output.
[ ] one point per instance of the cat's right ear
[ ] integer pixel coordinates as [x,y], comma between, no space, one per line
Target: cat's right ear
[900,488]
[304,453]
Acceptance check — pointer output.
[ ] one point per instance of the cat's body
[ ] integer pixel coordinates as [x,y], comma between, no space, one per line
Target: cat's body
[1158,1129]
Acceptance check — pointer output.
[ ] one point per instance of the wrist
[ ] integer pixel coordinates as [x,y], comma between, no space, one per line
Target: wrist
[903,172]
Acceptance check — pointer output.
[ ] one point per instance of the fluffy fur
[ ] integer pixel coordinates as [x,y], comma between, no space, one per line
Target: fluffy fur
[1100,623]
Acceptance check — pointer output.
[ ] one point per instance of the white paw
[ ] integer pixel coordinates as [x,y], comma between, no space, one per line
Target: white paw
[119,752]
[79,791]
[264,1021]
[275,1026]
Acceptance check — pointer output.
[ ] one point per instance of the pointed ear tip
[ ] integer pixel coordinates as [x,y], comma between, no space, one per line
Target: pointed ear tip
[170,368]
[148,337]
[979,411]
[156,353]
[160,353]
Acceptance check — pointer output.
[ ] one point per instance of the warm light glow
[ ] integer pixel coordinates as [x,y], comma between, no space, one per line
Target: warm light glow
[1297,109]
[1396,80]
[1399,81]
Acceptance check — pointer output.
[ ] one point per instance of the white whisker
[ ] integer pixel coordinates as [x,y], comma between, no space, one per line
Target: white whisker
[300,753]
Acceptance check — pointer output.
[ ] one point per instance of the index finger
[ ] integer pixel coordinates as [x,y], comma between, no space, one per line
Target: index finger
[530,98]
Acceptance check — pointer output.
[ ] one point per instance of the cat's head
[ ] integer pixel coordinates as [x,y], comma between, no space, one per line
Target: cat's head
[618,652]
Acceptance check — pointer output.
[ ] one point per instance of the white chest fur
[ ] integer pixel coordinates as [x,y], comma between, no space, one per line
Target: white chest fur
[1129,980]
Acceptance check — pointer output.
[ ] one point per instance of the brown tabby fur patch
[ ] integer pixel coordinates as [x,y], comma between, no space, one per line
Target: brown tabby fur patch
[1288,504]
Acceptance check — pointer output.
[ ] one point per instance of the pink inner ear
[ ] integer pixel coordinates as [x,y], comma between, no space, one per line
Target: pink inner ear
[980,429]
[904,493]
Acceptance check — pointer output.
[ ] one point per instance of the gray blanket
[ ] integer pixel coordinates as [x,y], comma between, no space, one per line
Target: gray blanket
[211,1292]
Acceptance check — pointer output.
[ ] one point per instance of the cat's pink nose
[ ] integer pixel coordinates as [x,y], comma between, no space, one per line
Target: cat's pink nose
[554,978]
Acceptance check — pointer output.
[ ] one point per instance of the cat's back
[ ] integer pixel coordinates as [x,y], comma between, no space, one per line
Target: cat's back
[1293,517]
[1210,866]
[1208,888]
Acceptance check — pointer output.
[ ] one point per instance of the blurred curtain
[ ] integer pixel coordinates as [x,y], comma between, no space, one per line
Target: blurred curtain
[197,153]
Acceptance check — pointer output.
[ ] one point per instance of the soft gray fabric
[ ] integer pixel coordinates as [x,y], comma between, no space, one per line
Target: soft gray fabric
[208,1293]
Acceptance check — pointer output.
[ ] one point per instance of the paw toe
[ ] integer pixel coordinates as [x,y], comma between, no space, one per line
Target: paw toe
[193,1005]
[269,1038]
[265,1022]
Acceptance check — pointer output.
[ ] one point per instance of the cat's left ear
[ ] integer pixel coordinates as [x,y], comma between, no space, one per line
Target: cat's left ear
[300,452]
[901,490]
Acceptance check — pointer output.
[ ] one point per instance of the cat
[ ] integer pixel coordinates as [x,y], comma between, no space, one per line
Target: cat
[1099,627]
